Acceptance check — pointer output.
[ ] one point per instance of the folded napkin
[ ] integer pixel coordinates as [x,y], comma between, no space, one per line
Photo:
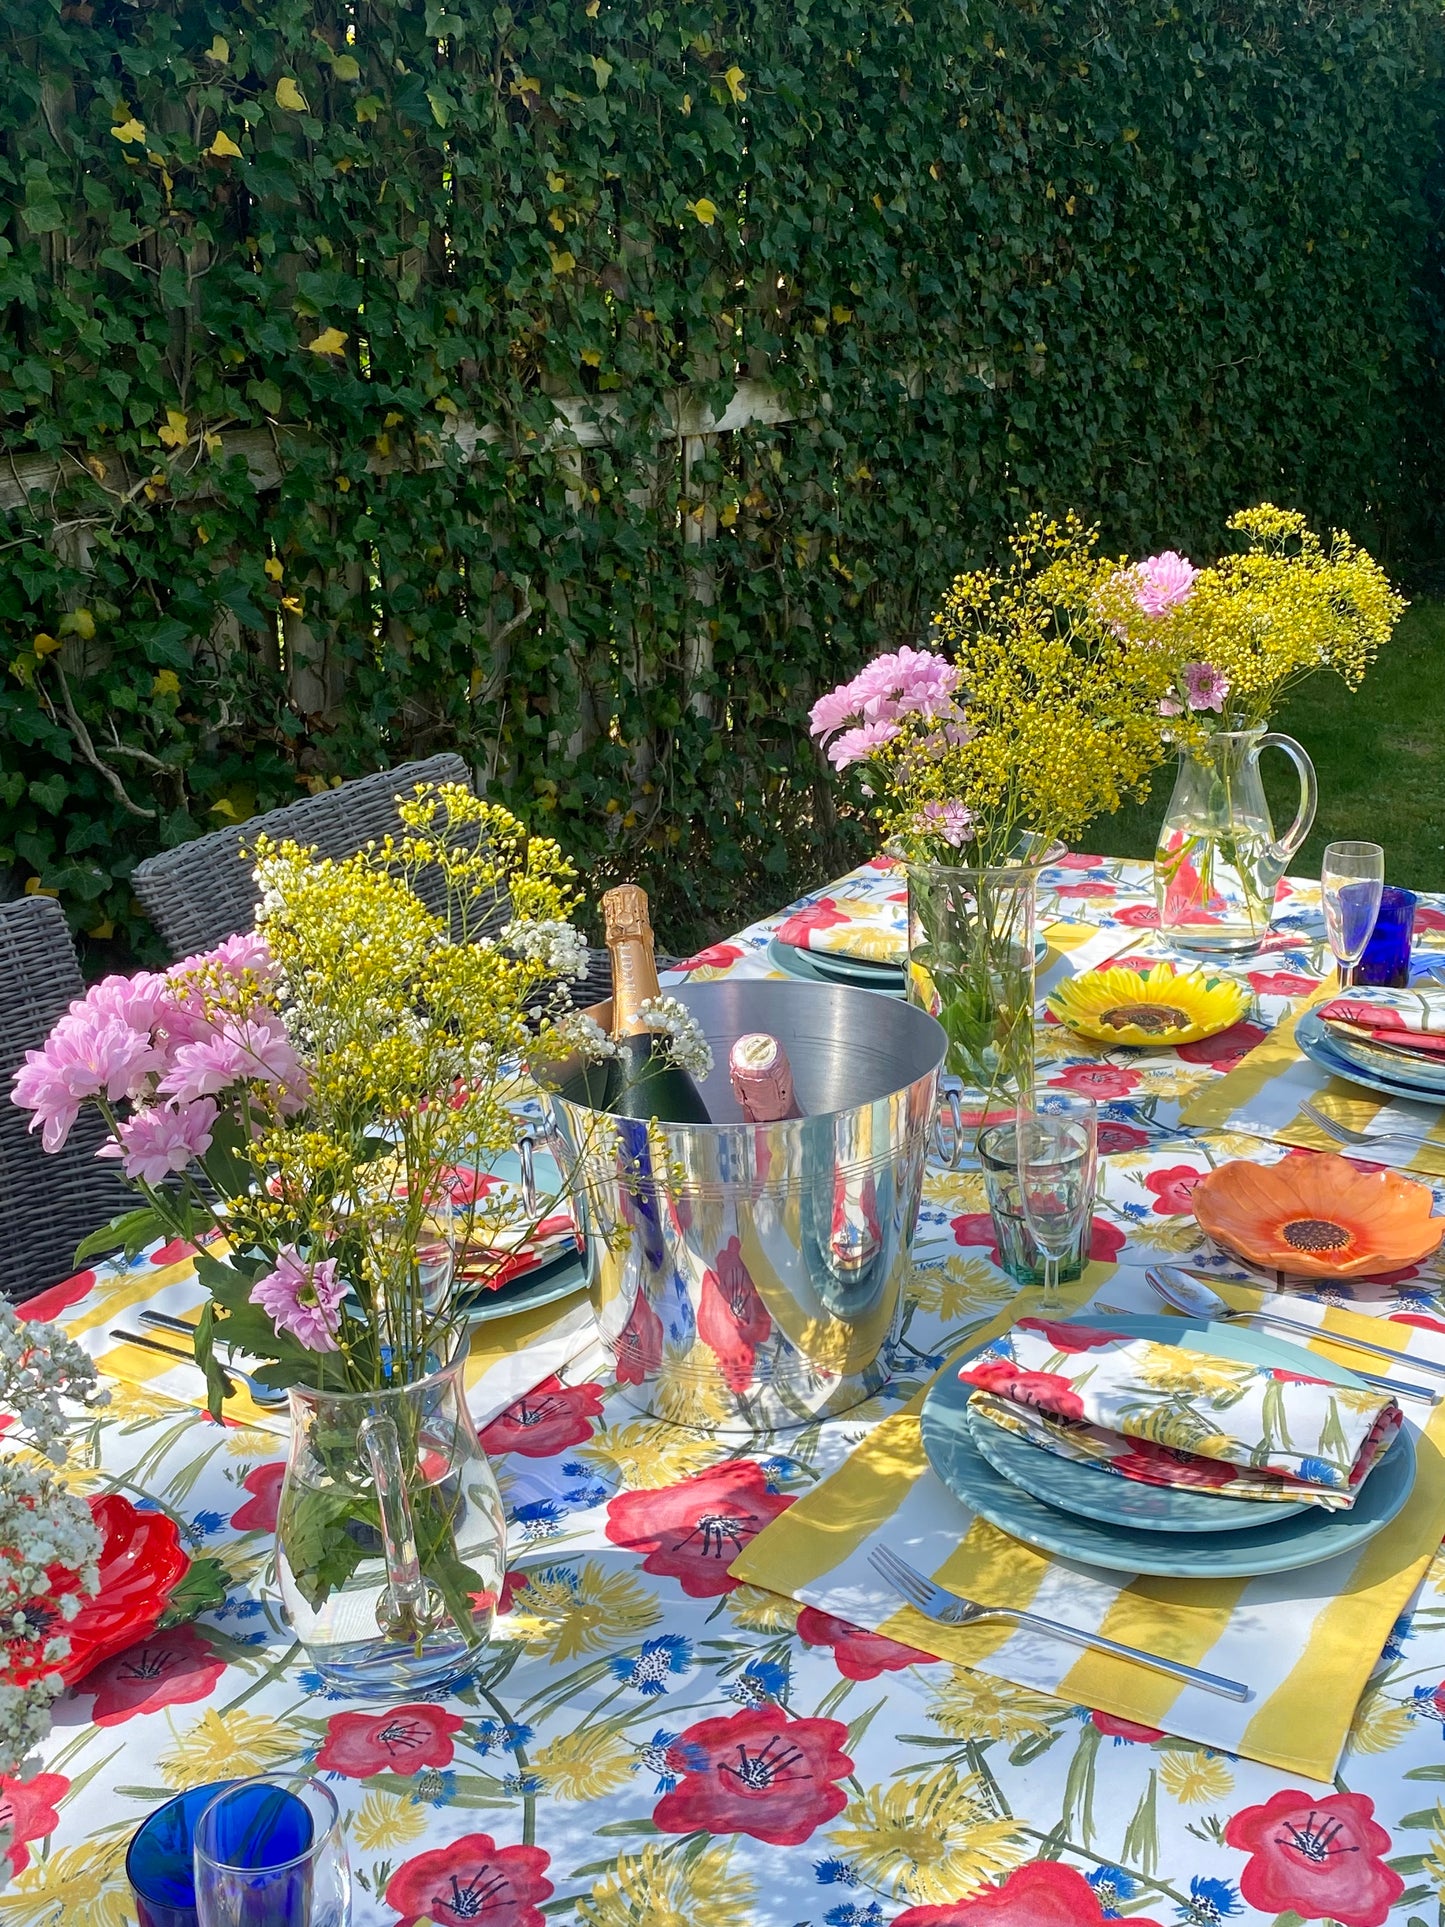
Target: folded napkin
[1164,1415]
[1408,1020]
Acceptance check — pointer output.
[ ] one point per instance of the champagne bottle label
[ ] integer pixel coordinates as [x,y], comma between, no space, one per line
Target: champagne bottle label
[643,1081]
[762,1078]
[634,967]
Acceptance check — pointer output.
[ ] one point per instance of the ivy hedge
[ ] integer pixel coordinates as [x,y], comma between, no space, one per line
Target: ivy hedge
[290,287]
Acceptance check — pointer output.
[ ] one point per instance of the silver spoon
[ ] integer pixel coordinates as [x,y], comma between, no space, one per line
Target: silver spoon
[1193,1297]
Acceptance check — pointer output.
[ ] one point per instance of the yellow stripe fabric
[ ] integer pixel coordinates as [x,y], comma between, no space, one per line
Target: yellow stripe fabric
[1212,1107]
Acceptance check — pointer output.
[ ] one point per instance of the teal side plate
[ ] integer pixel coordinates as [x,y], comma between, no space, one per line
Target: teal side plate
[1278,1545]
[803,964]
[557,1278]
[1322,1049]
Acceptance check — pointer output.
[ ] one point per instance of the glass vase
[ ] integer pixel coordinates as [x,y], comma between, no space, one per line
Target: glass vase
[971,965]
[1218,861]
[390,1536]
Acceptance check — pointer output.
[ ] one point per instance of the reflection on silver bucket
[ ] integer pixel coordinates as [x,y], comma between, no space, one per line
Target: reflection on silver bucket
[748,1275]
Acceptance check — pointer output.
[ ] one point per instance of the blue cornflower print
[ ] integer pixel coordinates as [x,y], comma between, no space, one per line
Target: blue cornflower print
[202,1526]
[538,1520]
[434,1787]
[1320,1472]
[835,1873]
[1210,1901]
[1111,1885]
[521,1784]
[851,1915]
[760,1684]
[656,1757]
[315,1687]
[1399,1634]
[651,1669]
[499,1733]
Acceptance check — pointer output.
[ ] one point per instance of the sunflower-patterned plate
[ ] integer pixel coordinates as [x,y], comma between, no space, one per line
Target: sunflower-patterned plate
[1163,1005]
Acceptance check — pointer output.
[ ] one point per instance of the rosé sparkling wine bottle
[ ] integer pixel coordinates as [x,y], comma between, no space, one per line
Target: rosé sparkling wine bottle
[762,1079]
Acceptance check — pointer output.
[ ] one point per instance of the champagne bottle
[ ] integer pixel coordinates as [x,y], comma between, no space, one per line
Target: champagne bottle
[762,1078]
[644,1081]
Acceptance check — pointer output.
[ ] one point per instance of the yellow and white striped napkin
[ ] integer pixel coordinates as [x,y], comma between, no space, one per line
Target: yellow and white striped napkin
[1304,1641]
[1263,1096]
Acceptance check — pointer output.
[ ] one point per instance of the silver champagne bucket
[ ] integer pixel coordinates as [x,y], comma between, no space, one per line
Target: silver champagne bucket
[748,1275]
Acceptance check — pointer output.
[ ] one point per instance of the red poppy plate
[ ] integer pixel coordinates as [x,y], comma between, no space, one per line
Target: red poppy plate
[142,1561]
[1278,1545]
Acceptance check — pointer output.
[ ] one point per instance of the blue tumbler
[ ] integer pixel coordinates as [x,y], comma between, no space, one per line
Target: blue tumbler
[1386,962]
[160,1863]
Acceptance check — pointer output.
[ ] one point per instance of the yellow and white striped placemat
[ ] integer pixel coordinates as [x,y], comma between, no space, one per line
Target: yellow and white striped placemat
[508,1355]
[1304,1641]
[1264,1094]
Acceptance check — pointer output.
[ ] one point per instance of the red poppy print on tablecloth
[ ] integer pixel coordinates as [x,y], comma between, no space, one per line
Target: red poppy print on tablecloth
[1419,1319]
[975,1228]
[1048,1391]
[1101,1082]
[1138,916]
[694,1530]
[1106,1241]
[174,1252]
[173,1668]
[401,1741]
[639,1343]
[1318,1855]
[1078,860]
[263,1482]
[1225,1051]
[544,1421]
[1045,1893]
[1427,918]
[59,1298]
[1070,1338]
[28,1811]
[472,1880]
[512,1584]
[1130,1730]
[1097,887]
[1281,983]
[1115,1139]
[758,1772]
[857,1653]
[732,1319]
[1174,1190]
[822,915]
[717,956]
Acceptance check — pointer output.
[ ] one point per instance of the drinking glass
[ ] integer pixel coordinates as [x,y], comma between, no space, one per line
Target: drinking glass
[270,1852]
[1058,1155]
[1386,962]
[1352,878]
[161,1860]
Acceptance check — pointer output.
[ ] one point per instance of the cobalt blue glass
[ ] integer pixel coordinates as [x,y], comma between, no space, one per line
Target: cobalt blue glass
[160,1863]
[1386,962]
[270,1852]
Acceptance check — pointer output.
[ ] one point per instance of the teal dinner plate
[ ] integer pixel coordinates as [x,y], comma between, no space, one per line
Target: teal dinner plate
[1302,1539]
[1332,1056]
[886,980]
[554,1279]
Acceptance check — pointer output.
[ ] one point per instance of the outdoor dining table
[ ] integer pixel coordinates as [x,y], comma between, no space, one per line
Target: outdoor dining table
[634,1682]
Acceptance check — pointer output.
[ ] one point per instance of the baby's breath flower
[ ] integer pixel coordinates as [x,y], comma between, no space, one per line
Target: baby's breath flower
[671,1019]
[558,945]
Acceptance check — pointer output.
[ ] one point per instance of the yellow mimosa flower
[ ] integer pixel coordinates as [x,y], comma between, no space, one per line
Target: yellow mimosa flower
[934,1839]
[567,1611]
[383,1821]
[1194,1778]
[668,1886]
[585,1765]
[245,1742]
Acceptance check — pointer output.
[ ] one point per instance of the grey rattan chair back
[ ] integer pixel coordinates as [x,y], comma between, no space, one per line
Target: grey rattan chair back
[203,891]
[47,1204]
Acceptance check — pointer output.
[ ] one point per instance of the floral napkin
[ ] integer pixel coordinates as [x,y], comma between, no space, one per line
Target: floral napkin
[1411,1020]
[1166,1415]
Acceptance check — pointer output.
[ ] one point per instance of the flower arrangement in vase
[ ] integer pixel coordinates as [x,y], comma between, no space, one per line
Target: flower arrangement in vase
[1240,636]
[309,1105]
[980,762]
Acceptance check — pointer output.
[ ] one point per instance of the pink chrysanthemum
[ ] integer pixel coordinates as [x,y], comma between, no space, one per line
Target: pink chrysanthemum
[1162,582]
[302,1298]
[1205,686]
[162,1139]
[953,821]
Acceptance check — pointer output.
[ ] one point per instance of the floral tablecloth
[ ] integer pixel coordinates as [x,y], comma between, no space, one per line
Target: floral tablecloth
[653,1744]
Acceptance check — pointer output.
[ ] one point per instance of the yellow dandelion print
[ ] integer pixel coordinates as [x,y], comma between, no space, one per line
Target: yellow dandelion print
[1165,1234]
[1434,1865]
[247,1443]
[382,1822]
[1164,1368]
[585,1765]
[1171,1080]
[129,1402]
[980,1706]
[936,1839]
[755,1611]
[570,1610]
[645,1456]
[1380,1723]
[246,1742]
[83,1886]
[685,1399]
[1195,1778]
[670,1887]
[960,1288]
[956,1190]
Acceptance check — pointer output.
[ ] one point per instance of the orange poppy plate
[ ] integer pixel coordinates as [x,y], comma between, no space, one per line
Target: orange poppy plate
[1318,1216]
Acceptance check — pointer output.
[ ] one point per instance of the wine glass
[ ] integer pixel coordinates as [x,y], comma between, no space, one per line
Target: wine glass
[1058,1156]
[270,1852]
[1351,878]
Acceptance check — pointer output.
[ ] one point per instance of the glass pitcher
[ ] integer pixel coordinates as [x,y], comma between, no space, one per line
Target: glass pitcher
[390,1536]
[1218,860]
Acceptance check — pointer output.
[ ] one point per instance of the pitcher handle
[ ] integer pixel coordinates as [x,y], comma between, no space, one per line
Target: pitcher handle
[1285,846]
[409,1607]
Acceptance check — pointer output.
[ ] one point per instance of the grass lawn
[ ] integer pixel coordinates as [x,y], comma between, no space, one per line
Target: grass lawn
[1379,754]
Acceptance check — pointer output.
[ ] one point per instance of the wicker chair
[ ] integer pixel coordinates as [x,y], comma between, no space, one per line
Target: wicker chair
[47,1204]
[203,891]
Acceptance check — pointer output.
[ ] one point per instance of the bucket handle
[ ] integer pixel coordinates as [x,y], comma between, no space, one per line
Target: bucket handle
[948,1149]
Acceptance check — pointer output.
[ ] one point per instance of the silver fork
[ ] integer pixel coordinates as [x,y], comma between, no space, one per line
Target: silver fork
[951,1609]
[1347,1134]
[266,1395]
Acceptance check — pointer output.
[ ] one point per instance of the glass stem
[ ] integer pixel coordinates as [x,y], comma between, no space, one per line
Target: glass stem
[1051,1280]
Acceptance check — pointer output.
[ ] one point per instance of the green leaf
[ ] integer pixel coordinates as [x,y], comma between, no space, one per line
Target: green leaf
[132,1230]
[202,1589]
